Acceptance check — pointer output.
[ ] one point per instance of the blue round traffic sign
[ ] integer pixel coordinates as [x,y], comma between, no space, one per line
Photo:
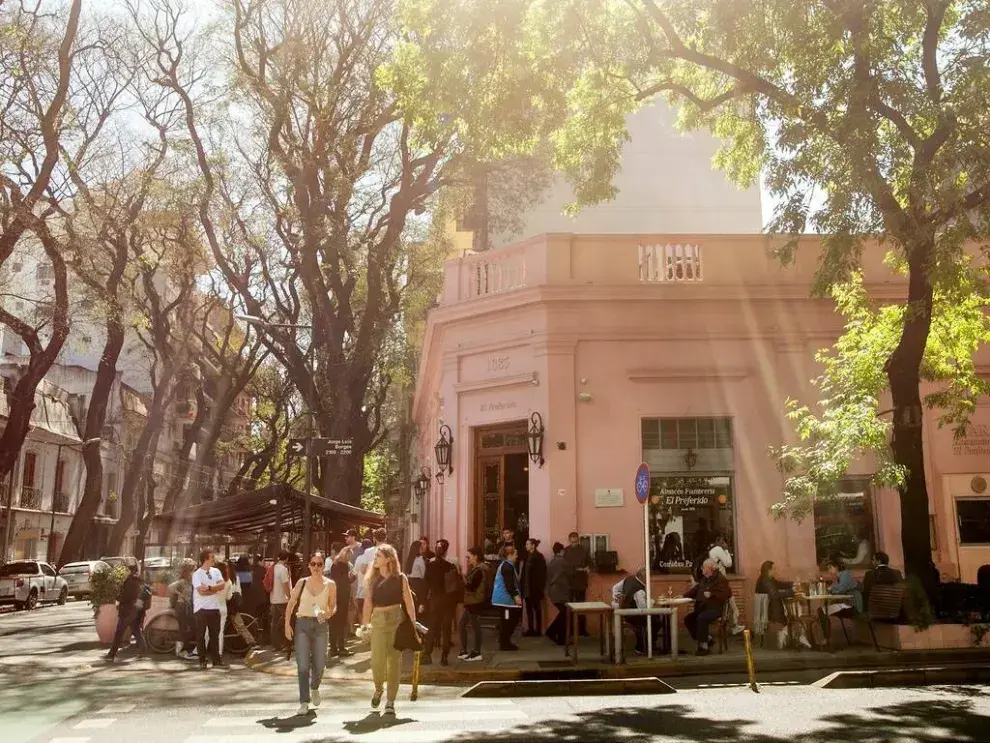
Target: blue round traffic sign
[643,482]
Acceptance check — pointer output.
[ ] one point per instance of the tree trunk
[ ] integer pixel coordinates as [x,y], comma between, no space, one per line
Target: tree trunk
[192,433]
[904,376]
[139,466]
[96,417]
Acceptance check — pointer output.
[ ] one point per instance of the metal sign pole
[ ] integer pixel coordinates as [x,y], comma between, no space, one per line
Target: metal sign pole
[649,599]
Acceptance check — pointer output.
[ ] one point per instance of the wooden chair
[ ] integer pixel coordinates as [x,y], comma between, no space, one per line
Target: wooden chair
[884,605]
[761,616]
[797,617]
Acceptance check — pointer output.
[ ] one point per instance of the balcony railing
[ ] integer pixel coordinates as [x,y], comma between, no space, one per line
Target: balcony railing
[61,503]
[496,272]
[670,263]
[30,497]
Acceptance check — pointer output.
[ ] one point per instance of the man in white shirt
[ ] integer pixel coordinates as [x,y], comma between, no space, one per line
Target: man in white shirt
[723,559]
[207,584]
[281,588]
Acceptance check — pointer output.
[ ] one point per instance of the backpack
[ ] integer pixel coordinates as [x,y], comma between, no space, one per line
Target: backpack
[453,586]
[269,580]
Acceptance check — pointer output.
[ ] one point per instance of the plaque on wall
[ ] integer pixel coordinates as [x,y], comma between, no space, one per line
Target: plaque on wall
[609,498]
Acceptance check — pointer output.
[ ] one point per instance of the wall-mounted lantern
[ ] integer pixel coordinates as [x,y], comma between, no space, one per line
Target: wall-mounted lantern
[444,450]
[690,459]
[422,484]
[534,439]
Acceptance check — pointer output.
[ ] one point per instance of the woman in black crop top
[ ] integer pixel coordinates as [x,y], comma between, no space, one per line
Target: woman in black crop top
[387,601]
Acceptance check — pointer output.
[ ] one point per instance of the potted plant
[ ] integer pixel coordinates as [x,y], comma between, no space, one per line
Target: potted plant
[104,590]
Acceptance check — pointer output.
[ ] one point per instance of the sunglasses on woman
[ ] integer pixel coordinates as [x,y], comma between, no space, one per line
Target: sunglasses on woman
[315,564]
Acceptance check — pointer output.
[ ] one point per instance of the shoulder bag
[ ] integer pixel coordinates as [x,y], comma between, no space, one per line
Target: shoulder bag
[406,636]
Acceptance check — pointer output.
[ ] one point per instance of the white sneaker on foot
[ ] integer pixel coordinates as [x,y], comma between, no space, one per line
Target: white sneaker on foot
[303,710]
[315,698]
[463,656]
[738,629]
[178,648]
[803,641]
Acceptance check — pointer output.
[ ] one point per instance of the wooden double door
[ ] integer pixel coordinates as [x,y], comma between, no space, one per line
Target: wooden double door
[501,484]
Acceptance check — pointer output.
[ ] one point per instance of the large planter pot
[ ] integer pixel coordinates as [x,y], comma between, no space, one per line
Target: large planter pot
[106,623]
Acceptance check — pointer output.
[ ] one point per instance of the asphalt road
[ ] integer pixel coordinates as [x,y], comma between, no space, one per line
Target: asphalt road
[54,688]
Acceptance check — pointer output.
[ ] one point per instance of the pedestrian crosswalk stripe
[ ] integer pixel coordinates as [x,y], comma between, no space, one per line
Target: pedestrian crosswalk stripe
[116,709]
[69,740]
[99,722]
[412,711]
[385,735]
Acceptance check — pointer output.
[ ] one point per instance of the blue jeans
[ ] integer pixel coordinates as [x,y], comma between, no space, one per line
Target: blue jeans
[311,640]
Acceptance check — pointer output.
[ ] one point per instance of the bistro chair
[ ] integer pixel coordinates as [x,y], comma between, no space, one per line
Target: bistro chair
[884,606]
[797,618]
[761,616]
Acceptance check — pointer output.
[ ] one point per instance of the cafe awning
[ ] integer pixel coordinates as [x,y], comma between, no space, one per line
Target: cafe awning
[254,512]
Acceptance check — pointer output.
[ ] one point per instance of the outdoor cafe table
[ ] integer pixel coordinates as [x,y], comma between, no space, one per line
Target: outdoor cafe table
[663,607]
[827,599]
[575,609]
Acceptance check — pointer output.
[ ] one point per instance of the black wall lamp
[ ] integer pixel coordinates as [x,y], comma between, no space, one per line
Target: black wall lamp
[534,439]
[444,449]
[422,484]
[690,459]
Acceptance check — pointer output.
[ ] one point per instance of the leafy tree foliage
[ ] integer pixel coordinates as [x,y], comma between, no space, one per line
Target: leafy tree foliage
[863,118]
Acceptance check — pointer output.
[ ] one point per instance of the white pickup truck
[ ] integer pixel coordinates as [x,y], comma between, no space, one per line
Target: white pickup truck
[28,583]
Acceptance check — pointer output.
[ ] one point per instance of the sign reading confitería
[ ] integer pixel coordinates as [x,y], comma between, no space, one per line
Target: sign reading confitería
[976,442]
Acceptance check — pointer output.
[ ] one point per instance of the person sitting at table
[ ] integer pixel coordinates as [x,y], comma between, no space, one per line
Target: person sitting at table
[777,591]
[630,593]
[843,583]
[710,595]
[880,575]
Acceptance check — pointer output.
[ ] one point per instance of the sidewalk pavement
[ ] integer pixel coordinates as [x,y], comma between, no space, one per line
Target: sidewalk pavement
[538,658]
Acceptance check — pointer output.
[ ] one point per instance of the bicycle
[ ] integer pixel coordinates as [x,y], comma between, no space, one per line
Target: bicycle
[161,632]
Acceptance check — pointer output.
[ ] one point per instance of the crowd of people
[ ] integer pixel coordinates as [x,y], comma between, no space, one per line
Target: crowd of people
[359,591]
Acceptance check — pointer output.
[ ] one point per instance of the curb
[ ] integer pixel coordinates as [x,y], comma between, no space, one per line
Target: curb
[586,687]
[901,677]
[454,676]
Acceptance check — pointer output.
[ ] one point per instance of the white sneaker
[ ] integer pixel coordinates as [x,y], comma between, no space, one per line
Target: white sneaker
[303,710]
[803,641]
[738,629]
[315,698]
[463,656]
[178,648]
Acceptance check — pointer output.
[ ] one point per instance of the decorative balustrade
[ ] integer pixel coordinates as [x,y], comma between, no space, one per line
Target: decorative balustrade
[495,272]
[670,263]
[30,497]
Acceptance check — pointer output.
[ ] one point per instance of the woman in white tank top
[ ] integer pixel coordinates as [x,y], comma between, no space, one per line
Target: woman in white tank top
[316,597]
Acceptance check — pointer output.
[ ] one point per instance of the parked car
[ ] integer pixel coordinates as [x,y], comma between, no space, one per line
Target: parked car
[122,560]
[156,566]
[28,583]
[77,575]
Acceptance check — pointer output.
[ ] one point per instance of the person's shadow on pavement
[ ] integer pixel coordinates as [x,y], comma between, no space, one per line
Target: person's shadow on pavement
[374,722]
[289,724]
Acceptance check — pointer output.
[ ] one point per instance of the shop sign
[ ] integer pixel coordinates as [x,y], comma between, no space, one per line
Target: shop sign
[976,442]
[678,494]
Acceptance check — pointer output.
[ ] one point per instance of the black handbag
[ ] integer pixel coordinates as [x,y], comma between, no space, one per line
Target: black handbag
[406,636]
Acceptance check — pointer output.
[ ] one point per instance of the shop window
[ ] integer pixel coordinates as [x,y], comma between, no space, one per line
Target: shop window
[844,525]
[974,520]
[686,512]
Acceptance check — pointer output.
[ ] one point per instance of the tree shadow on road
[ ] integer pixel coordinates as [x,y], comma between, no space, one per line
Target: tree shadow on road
[920,722]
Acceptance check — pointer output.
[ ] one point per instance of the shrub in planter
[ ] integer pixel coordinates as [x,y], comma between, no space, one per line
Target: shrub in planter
[104,590]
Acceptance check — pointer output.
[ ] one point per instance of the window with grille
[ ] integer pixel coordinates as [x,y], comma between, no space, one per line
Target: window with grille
[687,433]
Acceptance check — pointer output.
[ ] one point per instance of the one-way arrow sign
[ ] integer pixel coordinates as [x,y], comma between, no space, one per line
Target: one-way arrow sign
[298,447]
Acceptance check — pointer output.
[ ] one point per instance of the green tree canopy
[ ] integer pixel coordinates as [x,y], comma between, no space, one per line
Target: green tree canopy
[864,119]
